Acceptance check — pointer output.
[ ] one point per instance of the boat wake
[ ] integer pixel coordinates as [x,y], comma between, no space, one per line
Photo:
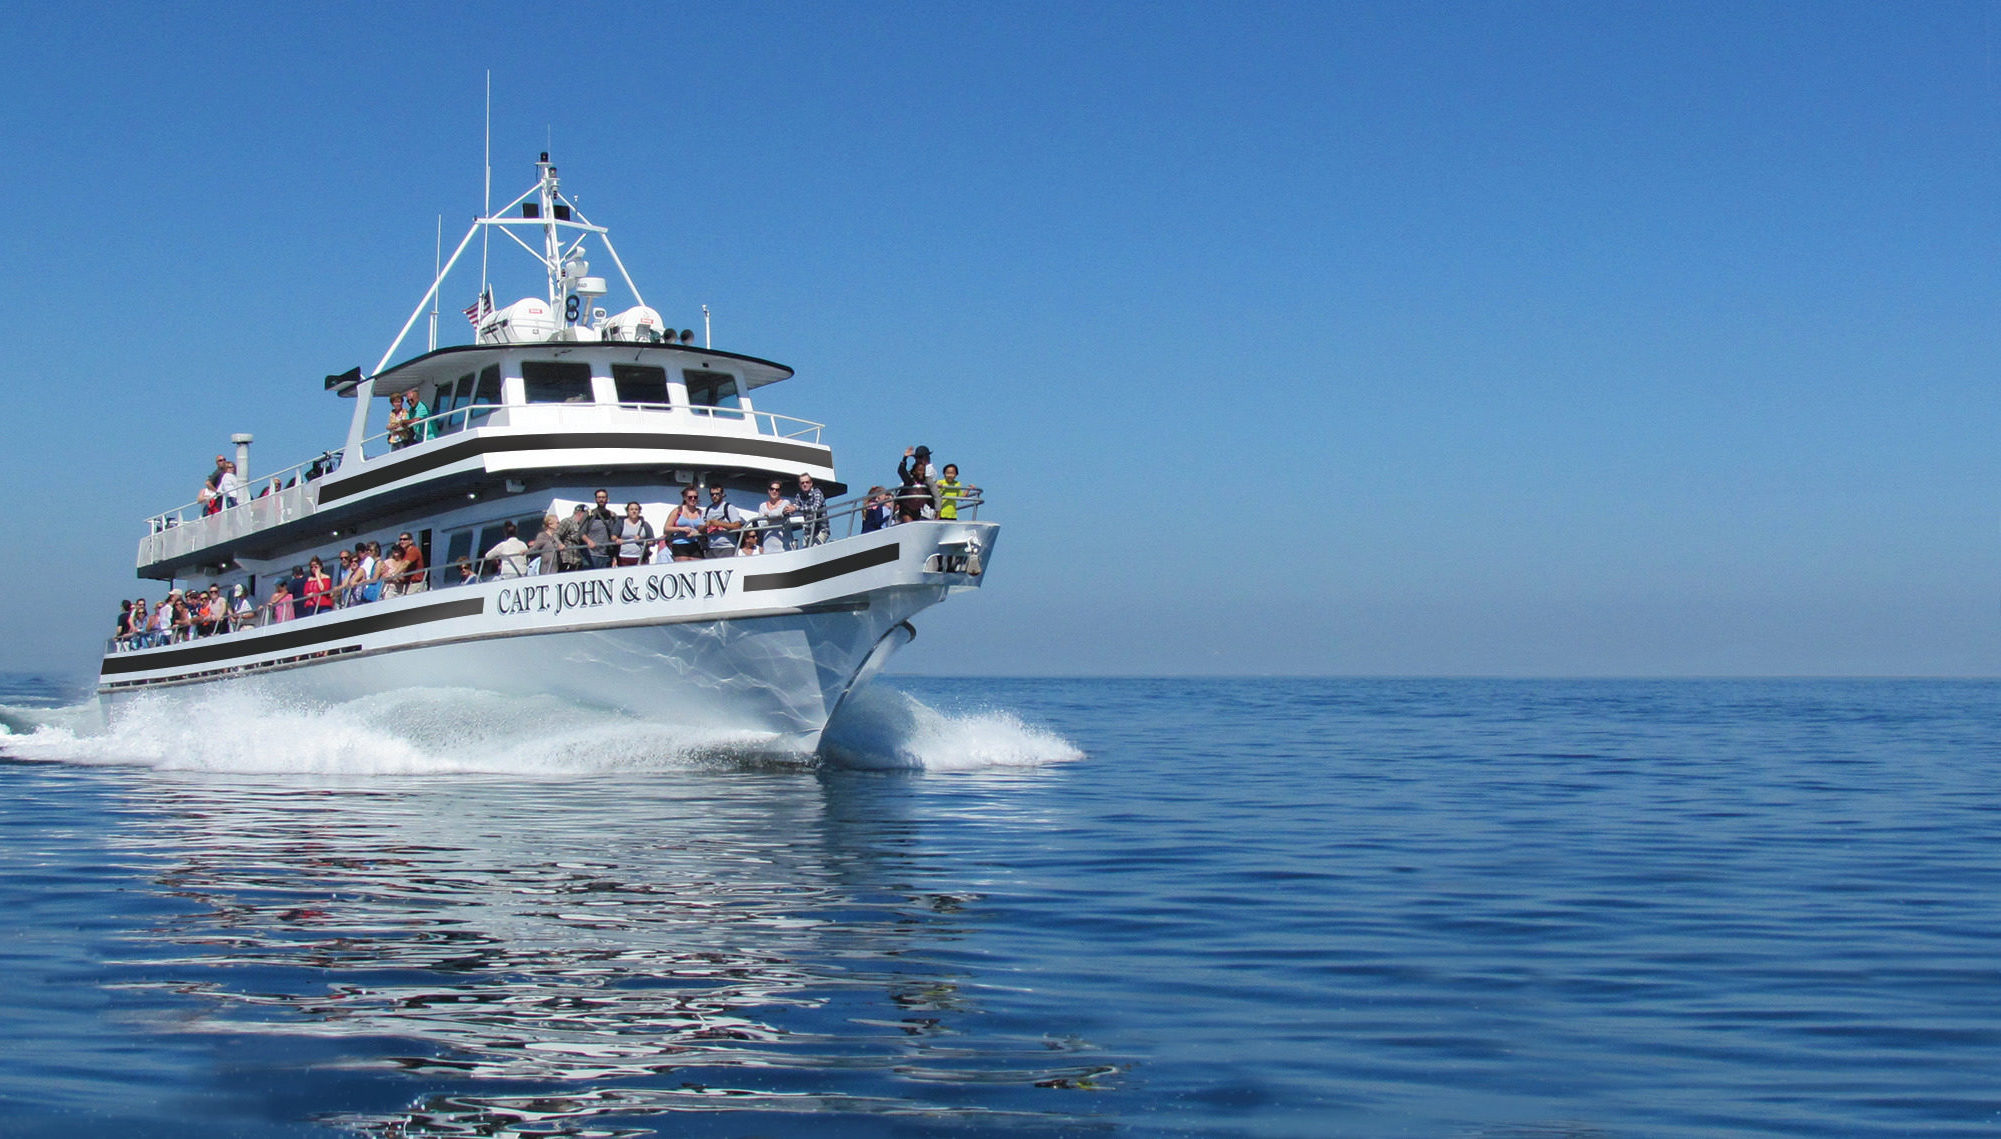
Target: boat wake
[882,729]
[254,729]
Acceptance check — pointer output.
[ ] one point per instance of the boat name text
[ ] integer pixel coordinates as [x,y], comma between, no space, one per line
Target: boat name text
[562,596]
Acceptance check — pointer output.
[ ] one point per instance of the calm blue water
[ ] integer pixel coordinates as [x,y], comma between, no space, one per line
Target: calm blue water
[1145,907]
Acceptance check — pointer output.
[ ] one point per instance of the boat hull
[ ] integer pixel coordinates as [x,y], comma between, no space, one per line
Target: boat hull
[767,646]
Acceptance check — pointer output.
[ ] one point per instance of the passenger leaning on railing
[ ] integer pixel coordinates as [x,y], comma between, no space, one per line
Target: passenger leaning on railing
[812,507]
[242,615]
[571,540]
[951,490]
[317,595]
[600,530]
[509,556]
[545,553]
[399,423]
[683,529]
[360,586]
[416,578]
[420,426]
[134,623]
[632,537]
[201,615]
[772,518]
[388,578]
[877,510]
[281,602]
[720,521]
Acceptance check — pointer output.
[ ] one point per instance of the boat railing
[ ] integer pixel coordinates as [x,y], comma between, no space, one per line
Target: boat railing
[291,493]
[418,432]
[761,422]
[846,518]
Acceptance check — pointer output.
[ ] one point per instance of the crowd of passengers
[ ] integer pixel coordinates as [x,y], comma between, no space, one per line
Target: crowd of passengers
[593,537]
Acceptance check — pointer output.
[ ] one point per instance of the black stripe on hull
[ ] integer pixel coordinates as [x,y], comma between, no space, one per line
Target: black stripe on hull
[229,647]
[852,563]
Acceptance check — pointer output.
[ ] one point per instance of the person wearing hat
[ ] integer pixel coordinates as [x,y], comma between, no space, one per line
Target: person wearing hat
[918,479]
[571,539]
[242,615]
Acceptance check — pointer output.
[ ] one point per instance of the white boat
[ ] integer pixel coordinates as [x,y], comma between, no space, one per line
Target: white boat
[555,399]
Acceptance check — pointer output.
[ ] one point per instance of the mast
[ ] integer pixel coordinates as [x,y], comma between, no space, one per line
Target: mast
[543,207]
[437,263]
[486,203]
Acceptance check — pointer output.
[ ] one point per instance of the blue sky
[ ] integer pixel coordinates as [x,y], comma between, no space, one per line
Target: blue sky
[1523,339]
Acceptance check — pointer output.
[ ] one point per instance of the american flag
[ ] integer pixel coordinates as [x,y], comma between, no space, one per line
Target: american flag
[477,311]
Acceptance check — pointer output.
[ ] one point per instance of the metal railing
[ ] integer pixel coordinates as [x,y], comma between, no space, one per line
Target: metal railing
[418,432]
[290,492]
[290,478]
[845,517]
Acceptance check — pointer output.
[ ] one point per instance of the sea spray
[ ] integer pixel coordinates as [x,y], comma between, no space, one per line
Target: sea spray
[883,729]
[259,727]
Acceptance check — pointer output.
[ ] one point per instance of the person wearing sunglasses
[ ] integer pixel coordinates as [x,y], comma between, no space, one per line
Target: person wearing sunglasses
[683,530]
[772,514]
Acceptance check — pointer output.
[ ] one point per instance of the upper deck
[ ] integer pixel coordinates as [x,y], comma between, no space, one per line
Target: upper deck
[501,417]
[551,385]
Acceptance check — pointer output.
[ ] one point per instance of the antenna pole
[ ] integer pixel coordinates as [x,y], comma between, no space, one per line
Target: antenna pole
[705,328]
[486,209]
[437,263]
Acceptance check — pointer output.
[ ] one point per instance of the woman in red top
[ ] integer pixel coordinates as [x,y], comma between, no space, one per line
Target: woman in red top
[318,598]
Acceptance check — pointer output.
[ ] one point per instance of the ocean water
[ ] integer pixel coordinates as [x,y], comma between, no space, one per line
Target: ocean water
[1259,907]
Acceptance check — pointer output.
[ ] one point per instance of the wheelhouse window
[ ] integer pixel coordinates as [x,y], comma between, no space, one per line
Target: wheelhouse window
[459,546]
[639,383]
[485,394]
[553,381]
[451,397]
[710,389]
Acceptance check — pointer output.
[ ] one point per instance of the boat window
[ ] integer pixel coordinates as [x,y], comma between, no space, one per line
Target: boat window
[459,547]
[451,397]
[485,394]
[710,389]
[494,533]
[638,383]
[554,381]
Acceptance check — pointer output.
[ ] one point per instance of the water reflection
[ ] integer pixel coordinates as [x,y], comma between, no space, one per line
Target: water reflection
[549,959]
